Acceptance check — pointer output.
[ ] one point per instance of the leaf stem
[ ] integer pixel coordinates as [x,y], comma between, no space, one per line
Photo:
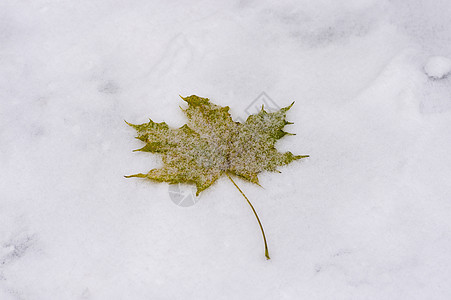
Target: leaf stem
[255,213]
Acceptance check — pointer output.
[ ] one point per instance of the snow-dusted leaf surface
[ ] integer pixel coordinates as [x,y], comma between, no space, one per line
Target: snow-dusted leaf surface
[212,144]
[366,217]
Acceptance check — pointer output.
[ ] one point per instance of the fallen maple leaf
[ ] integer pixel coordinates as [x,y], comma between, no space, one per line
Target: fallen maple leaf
[212,144]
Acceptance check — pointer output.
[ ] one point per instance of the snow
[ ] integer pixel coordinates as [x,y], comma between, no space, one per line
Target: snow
[437,67]
[365,217]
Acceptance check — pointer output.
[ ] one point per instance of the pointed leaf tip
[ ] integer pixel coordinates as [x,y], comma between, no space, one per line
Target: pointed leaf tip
[140,175]
[289,106]
[146,148]
[284,109]
[132,125]
[300,156]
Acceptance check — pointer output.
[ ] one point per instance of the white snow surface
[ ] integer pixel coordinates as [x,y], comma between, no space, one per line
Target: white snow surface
[437,67]
[367,216]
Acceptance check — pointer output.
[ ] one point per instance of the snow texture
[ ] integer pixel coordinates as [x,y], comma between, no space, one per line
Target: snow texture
[437,67]
[367,216]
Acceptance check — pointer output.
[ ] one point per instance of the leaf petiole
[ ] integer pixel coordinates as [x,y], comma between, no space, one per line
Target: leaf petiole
[255,213]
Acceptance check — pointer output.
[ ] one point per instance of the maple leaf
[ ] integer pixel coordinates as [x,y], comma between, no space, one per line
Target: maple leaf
[212,144]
